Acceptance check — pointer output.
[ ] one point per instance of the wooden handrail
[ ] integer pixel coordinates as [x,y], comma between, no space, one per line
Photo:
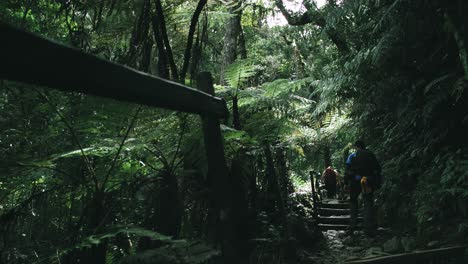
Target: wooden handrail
[415,257]
[32,59]
[28,58]
[314,194]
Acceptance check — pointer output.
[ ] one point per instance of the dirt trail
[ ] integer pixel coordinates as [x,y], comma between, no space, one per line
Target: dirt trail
[340,246]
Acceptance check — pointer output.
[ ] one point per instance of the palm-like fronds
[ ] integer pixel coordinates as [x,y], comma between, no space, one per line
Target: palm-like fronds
[239,72]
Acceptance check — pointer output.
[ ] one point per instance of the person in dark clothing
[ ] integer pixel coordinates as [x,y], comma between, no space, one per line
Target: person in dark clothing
[329,179]
[362,172]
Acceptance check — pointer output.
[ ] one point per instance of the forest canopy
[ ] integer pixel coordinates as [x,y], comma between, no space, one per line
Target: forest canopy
[85,179]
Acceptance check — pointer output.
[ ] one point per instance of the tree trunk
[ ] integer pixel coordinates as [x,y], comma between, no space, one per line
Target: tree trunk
[240,202]
[235,113]
[139,34]
[188,49]
[274,189]
[242,48]
[230,39]
[286,184]
[168,215]
[161,22]
[198,48]
[163,65]
[95,213]
[146,56]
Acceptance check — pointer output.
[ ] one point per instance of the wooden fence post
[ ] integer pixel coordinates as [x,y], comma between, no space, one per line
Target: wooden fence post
[314,194]
[218,178]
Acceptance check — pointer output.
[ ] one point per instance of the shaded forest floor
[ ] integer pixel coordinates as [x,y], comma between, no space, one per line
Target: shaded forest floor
[340,246]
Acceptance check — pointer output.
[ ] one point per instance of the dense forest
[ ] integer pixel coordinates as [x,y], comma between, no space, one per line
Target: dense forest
[85,179]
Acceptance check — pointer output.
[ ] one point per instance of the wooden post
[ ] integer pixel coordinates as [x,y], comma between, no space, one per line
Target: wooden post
[314,195]
[218,178]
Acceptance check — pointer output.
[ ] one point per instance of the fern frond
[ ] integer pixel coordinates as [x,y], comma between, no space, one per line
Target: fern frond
[239,72]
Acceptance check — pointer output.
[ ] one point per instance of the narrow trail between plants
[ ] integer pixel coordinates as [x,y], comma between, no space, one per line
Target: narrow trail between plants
[341,245]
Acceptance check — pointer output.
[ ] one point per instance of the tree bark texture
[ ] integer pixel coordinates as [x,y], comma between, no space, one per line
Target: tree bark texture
[231,36]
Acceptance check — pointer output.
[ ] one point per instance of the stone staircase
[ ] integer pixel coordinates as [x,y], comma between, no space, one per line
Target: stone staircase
[334,215]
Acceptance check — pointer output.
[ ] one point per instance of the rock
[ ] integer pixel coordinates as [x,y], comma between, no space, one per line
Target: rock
[408,243]
[392,245]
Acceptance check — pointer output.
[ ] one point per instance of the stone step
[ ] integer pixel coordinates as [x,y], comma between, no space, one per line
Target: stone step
[335,205]
[325,227]
[329,211]
[338,220]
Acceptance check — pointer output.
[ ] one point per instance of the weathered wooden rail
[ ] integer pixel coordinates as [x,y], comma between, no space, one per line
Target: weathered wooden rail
[315,198]
[434,256]
[28,58]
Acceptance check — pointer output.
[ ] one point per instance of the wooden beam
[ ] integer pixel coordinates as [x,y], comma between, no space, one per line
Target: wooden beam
[414,257]
[28,58]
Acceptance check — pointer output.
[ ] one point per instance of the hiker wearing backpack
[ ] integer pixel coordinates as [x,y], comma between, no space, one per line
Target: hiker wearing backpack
[362,175]
[329,176]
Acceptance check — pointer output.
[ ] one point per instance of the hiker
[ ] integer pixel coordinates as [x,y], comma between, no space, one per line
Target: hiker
[329,179]
[362,175]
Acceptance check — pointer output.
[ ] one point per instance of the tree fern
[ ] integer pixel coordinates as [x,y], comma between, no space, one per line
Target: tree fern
[239,72]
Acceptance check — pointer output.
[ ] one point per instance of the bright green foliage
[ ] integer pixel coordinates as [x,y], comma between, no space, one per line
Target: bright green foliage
[239,72]
[69,159]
